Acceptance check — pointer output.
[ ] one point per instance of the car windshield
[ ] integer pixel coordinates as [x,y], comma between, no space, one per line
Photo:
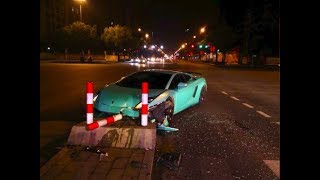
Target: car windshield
[156,80]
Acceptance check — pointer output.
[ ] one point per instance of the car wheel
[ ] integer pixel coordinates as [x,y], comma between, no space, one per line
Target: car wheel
[202,96]
[169,109]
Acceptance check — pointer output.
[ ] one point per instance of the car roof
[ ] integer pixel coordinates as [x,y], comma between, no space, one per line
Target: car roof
[165,71]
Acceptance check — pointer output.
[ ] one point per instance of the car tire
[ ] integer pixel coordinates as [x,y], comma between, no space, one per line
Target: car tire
[202,96]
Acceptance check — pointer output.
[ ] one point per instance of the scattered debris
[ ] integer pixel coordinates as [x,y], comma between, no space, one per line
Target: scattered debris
[94,150]
[166,128]
[101,156]
[170,160]
[59,147]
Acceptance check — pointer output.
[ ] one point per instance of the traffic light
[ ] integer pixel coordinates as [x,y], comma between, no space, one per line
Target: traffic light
[200,46]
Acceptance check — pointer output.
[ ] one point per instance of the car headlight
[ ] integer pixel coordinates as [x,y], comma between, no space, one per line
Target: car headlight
[139,105]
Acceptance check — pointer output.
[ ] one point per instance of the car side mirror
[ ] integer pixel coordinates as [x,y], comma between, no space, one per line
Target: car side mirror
[181,85]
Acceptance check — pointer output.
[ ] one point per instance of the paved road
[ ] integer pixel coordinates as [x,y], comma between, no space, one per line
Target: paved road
[234,135]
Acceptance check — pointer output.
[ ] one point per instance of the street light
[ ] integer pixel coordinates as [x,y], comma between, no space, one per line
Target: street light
[80,2]
[139,29]
[202,30]
[194,37]
[147,35]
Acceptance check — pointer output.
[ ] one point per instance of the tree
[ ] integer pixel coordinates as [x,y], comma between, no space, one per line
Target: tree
[77,36]
[222,37]
[259,33]
[119,38]
[257,25]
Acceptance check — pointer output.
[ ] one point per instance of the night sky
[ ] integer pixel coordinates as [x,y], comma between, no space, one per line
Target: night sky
[170,19]
[167,19]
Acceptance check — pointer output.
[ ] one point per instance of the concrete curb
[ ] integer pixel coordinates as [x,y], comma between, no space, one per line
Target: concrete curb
[116,151]
[118,135]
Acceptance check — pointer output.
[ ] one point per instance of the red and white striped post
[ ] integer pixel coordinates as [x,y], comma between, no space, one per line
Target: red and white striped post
[89,102]
[144,102]
[103,122]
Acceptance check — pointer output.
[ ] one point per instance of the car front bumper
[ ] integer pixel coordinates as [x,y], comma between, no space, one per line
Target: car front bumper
[125,111]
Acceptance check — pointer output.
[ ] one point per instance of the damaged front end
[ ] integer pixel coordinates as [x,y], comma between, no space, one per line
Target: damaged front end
[115,101]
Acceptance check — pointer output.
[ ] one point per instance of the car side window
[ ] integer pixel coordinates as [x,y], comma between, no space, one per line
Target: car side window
[186,77]
[176,80]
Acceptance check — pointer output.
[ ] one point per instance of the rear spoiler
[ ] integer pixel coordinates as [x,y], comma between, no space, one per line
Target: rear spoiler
[193,73]
[189,72]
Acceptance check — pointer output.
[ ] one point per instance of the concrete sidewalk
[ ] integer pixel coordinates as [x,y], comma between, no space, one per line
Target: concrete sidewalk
[121,150]
[75,162]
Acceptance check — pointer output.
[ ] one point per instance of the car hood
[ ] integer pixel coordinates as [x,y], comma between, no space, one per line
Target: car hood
[118,96]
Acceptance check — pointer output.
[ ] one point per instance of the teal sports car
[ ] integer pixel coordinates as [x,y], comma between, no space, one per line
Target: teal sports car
[170,92]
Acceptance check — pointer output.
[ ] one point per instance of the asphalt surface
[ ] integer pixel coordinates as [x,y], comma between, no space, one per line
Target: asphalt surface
[235,134]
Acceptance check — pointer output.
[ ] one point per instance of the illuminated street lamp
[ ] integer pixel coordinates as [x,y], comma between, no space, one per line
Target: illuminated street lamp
[194,37]
[80,2]
[183,46]
[202,30]
[147,35]
[139,29]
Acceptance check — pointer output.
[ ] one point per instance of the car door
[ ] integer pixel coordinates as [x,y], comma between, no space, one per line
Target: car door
[192,90]
[182,94]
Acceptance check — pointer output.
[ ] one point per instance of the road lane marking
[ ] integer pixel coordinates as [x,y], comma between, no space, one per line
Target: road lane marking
[263,114]
[248,105]
[224,92]
[274,165]
[276,123]
[235,98]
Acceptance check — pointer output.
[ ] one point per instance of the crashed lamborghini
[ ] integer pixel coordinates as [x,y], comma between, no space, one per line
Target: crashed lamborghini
[170,92]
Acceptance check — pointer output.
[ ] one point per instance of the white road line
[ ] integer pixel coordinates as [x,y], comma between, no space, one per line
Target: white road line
[248,105]
[235,98]
[276,123]
[274,165]
[263,114]
[224,92]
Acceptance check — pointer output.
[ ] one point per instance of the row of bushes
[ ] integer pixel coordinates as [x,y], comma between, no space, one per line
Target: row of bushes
[60,56]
